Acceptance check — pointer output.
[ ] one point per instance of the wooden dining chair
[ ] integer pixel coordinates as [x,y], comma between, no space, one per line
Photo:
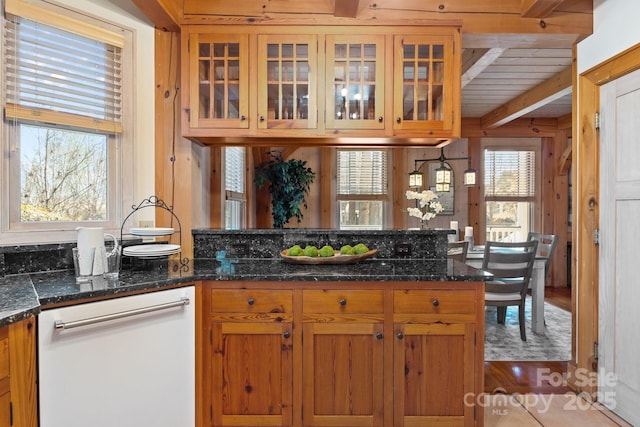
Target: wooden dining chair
[546,247]
[511,264]
[458,250]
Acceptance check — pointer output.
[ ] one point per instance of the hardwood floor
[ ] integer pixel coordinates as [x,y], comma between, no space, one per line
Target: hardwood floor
[520,393]
[529,377]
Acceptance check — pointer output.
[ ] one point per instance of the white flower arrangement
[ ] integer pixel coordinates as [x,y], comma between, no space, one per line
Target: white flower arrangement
[428,203]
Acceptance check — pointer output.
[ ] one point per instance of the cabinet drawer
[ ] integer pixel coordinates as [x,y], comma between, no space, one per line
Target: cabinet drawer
[434,301]
[4,352]
[343,301]
[251,300]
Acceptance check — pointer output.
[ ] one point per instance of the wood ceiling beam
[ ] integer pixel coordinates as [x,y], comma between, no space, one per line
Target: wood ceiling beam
[539,8]
[346,8]
[164,14]
[474,61]
[554,88]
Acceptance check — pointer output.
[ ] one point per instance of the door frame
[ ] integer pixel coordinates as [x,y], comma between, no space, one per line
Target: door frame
[586,179]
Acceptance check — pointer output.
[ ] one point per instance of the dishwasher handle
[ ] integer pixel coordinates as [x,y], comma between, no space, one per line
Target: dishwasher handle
[60,325]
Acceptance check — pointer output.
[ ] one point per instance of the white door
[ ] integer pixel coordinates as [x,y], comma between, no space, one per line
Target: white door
[619,282]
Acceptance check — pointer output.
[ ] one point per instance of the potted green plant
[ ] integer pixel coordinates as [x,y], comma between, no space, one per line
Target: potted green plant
[289,183]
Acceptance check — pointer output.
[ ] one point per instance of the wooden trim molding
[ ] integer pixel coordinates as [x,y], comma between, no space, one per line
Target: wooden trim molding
[585,151]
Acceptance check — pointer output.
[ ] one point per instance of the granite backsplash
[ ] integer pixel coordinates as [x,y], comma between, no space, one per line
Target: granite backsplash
[268,243]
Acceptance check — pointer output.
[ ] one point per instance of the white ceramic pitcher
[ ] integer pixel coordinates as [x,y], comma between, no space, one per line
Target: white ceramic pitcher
[93,237]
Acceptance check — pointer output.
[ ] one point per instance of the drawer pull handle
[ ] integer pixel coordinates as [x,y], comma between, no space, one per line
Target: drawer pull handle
[286,334]
[251,301]
[379,335]
[400,335]
[398,119]
[243,118]
[436,303]
[379,119]
[343,302]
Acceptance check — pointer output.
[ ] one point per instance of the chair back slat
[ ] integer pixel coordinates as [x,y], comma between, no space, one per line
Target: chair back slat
[458,250]
[510,263]
[546,247]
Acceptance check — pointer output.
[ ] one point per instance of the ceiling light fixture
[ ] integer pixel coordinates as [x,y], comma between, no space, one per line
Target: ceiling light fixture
[443,173]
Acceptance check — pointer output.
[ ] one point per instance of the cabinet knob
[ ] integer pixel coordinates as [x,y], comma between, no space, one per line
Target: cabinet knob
[261,118]
[379,335]
[251,301]
[400,335]
[398,119]
[286,334]
[436,303]
[379,119]
[243,118]
[343,301]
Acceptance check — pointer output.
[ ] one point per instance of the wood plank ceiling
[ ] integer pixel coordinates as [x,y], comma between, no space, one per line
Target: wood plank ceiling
[517,54]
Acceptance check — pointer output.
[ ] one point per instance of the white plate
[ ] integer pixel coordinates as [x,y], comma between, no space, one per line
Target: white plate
[150,251]
[152,231]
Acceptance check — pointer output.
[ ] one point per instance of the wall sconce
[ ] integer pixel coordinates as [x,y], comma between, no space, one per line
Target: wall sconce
[443,173]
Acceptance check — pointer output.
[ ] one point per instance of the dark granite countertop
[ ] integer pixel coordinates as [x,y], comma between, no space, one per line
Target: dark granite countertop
[23,295]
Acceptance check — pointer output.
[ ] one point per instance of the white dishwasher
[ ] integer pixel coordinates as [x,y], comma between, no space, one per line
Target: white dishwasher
[122,362]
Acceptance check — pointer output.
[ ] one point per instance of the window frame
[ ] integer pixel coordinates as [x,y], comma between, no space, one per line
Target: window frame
[235,196]
[385,198]
[120,150]
[513,144]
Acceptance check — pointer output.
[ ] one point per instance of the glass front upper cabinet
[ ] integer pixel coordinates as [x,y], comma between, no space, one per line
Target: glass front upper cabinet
[423,79]
[287,81]
[219,65]
[355,82]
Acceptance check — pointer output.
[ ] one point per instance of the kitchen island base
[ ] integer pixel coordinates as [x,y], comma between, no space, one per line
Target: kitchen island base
[388,354]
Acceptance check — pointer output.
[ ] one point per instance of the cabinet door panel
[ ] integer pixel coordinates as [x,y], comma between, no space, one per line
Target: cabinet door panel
[343,367]
[355,82]
[424,85]
[252,374]
[433,371]
[287,81]
[5,408]
[219,96]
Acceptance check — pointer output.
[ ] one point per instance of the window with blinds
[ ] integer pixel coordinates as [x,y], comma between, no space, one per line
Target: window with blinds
[234,185]
[510,193]
[58,76]
[362,188]
[509,174]
[63,83]
[362,172]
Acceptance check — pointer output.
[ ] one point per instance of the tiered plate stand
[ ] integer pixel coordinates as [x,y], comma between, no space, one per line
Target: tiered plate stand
[145,251]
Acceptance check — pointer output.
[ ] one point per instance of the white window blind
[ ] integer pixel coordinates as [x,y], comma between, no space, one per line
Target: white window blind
[234,177]
[57,76]
[362,172]
[509,174]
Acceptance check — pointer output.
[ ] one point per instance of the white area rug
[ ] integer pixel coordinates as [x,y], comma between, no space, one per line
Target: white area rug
[502,342]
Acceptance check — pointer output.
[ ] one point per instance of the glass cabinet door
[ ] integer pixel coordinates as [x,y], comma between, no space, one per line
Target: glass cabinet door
[287,69]
[423,78]
[355,82]
[219,66]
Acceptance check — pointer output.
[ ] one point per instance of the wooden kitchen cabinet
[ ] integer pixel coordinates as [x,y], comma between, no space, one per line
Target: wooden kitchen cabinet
[317,85]
[315,354]
[18,407]
[287,81]
[427,84]
[434,357]
[251,358]
[355,81]
[219,77]
[343,337]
